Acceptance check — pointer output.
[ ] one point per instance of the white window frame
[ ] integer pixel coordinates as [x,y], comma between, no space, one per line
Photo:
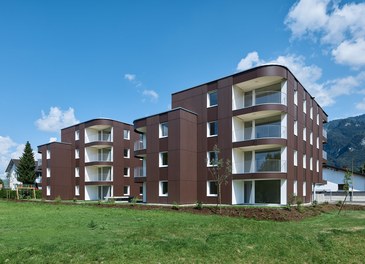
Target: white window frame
[295,158]
[304,105]
[128,190]
[77,135]
[48,190]
[161,154]
[48,154]
[296,127]
[77,153]
[126,134]
[160,188]
[128,153]
[305,134]
[77,172]
[317,119]
[77,190]
[208,189]
[128,172]
[317,166]
[48,173]
[208,98]
[311,163]
[295,187]
[317,142]
[209,131]
[161,130]
[209,161]
[304,161]
[311,138]
[304,188]
[311,112]
[296,97]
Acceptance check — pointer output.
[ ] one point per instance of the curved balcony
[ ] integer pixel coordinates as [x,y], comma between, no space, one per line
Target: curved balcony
[259,166]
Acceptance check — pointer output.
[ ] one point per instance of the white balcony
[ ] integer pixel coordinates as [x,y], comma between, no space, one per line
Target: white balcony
[98,133]
[140,172]
[100,174]
[94,154]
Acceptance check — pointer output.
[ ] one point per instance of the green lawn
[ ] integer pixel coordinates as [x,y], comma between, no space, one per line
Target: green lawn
[56,233]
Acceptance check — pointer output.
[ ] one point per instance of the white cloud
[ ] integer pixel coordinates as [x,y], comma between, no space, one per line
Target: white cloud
[361,105]
[350,53]
[130,77]
[9,150]
[56,119]
[342,28]
[249,61]
[52,139]
[310,75]
[151,95]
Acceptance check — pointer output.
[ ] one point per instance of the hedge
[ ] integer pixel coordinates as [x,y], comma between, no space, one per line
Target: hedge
[11,194]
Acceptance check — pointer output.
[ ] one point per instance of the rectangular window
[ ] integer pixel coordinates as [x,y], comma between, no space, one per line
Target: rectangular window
[311,163]
[304,188]
[164,159]
[317,166]
[163,188]
[48,174]
[77,154]
[77,135]
[140,190]
[212,128]
[305,134]
[77,190]
[126,172]
[48,154]
[48,190]
[304,161]
[212,188]
[212,99]
[212,158]
[126,190]
[77,172]
[311,138]
[295,189]
[304,105]
[296,128]
[126,134]
[296,97]
[317,119]
[295,158]
[268,160]
[126,153]
[311,113]
[317,142]
[164,130]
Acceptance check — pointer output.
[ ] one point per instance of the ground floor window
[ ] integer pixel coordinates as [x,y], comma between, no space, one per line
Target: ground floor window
[267,191]
[212,188]
[141,190]
[77,190]
[163,188]
[126,190]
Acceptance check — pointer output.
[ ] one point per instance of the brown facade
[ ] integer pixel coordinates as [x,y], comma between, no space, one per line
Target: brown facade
[90,162]
[245,100]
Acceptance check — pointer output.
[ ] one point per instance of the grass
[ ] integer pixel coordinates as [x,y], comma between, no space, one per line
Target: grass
[58,233]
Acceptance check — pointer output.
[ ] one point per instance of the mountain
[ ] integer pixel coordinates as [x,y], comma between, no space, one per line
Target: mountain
[346,142]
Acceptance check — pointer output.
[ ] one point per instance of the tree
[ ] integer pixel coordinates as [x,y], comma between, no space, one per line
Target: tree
[221,170]
[346,186]
[26,167]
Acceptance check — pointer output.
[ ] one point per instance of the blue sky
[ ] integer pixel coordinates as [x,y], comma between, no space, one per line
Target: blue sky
[63,62]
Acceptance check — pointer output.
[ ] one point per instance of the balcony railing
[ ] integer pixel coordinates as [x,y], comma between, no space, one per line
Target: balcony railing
[267,97]
[269,165]
[139,172]
[265,131]
[324,133]
[324,154]
[139,145]
[104,138]
[99,178]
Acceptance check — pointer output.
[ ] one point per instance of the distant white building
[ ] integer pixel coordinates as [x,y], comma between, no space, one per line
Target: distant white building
[12,174]
[334,178]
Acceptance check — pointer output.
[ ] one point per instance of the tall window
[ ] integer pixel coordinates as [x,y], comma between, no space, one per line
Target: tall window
[304,105]
[311,138]
[126,153]
[295,191]
[163,188]
[126,171]
[304,161]
[164,159]
[77,172]
[304,188]
[296,97]
[77,135]
[212,188]
[48,190]
[212,128]
[317,142]
[48,154]
[212,158]
[295,158]
[48,173]
[212,99]
[311,163]
[164,130]
[296,128]
[77,190]
[126,134]
[77,154]
[305,134]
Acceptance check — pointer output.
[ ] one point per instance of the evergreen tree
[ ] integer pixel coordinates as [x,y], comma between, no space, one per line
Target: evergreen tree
[26,167]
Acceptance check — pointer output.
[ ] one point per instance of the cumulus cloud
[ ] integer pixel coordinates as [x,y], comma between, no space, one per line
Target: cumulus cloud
[342,28]
[52,139]
[309,76]
[9,150]
[151,95]
[361,105]
[56,119]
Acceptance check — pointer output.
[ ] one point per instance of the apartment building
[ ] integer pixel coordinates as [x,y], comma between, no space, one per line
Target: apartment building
[262,119]
[93,161]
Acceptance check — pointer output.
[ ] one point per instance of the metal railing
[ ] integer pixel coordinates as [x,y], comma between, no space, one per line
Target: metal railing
[269,165]
[139,172]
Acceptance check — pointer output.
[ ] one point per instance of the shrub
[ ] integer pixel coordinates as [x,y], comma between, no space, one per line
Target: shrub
[198,205]
[38,194]
[175,206]
[339,203]
[314,203]
[8,194]
[133,201]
